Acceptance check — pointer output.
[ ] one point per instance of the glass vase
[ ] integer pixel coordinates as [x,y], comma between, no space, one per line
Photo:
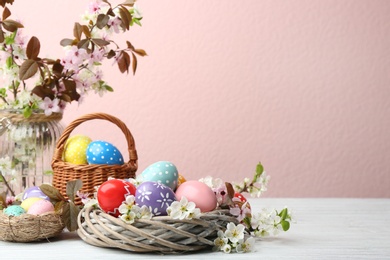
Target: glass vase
[27,146]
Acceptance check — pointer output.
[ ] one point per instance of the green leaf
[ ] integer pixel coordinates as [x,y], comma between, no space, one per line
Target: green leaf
[9,62]
[285,225]
[283,214]
[3,92]
[52,193]
[72,187]
[259,168]
[259,172]
[27,111]
[136,21]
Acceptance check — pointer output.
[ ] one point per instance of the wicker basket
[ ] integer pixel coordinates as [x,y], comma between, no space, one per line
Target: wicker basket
[29,228]
[160,234]
[92,175]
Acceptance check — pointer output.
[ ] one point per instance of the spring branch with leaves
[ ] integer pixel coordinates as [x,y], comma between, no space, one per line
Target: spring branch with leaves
[62,80]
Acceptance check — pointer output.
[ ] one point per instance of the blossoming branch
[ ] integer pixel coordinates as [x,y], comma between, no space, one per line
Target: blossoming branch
[61,80]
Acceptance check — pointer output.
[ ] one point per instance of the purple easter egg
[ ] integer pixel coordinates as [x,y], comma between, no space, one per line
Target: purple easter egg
[34,192]
[156,196]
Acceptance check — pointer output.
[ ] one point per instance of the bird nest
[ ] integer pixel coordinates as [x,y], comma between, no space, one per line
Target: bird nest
[29,228]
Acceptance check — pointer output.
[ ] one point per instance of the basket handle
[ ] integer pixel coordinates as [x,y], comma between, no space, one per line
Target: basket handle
[68,130]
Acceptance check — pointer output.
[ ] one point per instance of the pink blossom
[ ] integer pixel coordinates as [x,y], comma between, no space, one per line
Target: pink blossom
[62,105]
[98,75]
[96,56]
[115,24]
[50,106]
[94,7]
[242,212]
[9,200]
[220,193]
[83,196]
[74,58]
[20,39]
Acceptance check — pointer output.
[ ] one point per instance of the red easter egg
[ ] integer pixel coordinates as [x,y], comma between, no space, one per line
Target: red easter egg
[239,196]
[112,193]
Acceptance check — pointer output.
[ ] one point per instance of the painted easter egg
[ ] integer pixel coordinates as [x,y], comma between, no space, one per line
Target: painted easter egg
[239,200]
[75,149]
[199,193]
[101,152]
[156,196]
[181,180]
[14,210]
[239,196]
[27,203]
[34,192]
[112,193]
[163,172]
[41,207]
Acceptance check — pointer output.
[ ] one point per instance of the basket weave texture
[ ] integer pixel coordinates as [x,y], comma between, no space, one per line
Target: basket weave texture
[92,175]
[160,234]
[29,228]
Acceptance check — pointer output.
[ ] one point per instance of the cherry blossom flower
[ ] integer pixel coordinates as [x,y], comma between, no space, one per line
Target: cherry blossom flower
[128,218]
[129,211]
[240,211]
[233,240]
[234,233]
[246,246]
[50,106]
[183,209]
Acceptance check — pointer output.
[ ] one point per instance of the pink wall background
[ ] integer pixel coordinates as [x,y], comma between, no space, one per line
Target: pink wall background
[302,86]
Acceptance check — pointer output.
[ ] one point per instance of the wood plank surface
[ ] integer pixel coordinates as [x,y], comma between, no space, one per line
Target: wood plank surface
[324,229]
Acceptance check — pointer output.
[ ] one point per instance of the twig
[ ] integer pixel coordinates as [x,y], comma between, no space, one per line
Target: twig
[6,184]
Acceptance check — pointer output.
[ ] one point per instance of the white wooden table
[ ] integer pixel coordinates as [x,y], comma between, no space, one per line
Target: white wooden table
[325,229]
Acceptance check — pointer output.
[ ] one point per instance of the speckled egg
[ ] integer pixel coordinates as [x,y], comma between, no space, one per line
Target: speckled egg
[26,204]
[163,172]
[75,149]
[199,193]
[34,192]
[14,210]
[156,196]
[41,207]
[112,193]
[101,152]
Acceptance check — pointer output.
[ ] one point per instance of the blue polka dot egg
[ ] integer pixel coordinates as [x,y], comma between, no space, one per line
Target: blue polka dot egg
[163,172]
[101,152]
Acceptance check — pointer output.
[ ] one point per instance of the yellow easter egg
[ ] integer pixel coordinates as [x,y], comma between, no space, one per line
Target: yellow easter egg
[75,149]
[180,180]
[26,204]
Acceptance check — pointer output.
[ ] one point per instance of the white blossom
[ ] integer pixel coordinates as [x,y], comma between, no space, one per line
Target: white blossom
[183,209]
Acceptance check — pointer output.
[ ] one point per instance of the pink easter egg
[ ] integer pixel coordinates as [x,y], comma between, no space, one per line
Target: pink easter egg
[199,193]
[41,207]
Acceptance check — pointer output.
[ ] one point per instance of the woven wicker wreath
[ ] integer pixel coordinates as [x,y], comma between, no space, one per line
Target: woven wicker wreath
[160,234]
[29,228]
